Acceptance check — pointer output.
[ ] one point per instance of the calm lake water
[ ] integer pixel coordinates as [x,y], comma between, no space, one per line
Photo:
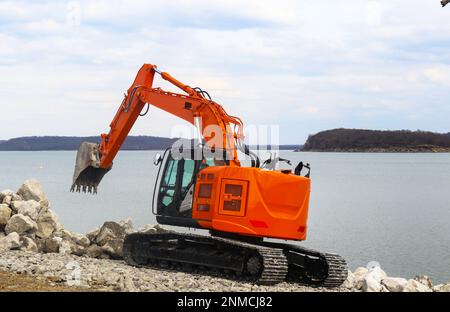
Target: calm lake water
[390,208]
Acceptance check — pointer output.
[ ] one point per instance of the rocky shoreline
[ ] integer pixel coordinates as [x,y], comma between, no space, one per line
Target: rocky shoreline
[34,243]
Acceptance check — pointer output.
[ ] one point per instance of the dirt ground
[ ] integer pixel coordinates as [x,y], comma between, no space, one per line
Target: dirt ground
[13,282]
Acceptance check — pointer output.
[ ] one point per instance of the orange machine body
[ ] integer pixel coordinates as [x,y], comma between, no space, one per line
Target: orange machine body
[253,202]
[240,200]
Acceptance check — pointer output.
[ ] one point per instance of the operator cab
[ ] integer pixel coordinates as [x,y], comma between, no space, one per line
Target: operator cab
[177,175]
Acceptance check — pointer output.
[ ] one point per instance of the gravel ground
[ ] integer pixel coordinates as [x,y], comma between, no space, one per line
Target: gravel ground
[112,275]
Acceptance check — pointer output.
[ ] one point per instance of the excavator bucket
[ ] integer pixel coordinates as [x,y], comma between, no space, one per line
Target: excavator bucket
[87,174]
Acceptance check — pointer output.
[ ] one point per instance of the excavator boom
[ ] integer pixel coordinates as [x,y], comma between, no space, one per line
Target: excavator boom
[95,160]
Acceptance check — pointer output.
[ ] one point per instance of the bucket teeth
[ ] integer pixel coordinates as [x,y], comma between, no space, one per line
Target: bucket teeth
[91,189]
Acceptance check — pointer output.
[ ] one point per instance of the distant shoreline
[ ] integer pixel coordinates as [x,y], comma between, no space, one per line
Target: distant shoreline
[377,141]
[403,150]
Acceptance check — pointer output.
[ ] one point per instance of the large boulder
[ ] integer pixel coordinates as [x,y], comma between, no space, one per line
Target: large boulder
[32,189]
[27,244]
[372,280]
[416,286]
[11,241]
[30,208]
[20,224]
[394,284]
[76,238]
[47,223]
[5,214]
[110,231]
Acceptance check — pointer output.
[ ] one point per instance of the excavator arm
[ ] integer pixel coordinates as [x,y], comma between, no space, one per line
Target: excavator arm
[215,126]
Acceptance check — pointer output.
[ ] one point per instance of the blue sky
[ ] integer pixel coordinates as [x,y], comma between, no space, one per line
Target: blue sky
[303,65]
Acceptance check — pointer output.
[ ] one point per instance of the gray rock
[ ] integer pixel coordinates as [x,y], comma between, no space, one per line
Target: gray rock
[32,189]
[49,245]
[27,244]
[76,238]
[110,231]
[5,214]
[20,224]
[30,208]
[94,251]
[394,284]
[114,248]
[9,242]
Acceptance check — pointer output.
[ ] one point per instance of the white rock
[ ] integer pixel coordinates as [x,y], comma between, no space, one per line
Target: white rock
[424,279]
[76,238]
[11,241]
[5,193]
[394,284]
[30,208]
[7,200]
[358,276]
[28,244]
[442,288]
[20,224]
[372,280]
[415,286]
[5,214]
[32,189]
[350,281]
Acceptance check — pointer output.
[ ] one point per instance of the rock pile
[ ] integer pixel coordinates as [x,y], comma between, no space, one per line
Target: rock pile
[28,223]
[376,280]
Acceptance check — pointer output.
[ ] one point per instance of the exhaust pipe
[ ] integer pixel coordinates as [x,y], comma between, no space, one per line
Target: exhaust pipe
[88,173]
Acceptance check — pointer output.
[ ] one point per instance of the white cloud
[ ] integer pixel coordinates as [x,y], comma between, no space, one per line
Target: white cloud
[306,65]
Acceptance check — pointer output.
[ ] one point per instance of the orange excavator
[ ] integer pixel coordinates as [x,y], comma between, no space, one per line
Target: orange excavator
[202,184]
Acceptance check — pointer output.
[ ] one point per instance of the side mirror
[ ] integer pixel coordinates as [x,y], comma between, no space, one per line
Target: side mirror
[158,159]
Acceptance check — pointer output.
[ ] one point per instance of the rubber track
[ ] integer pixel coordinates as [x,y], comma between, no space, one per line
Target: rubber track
[333,268]
[274,263]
